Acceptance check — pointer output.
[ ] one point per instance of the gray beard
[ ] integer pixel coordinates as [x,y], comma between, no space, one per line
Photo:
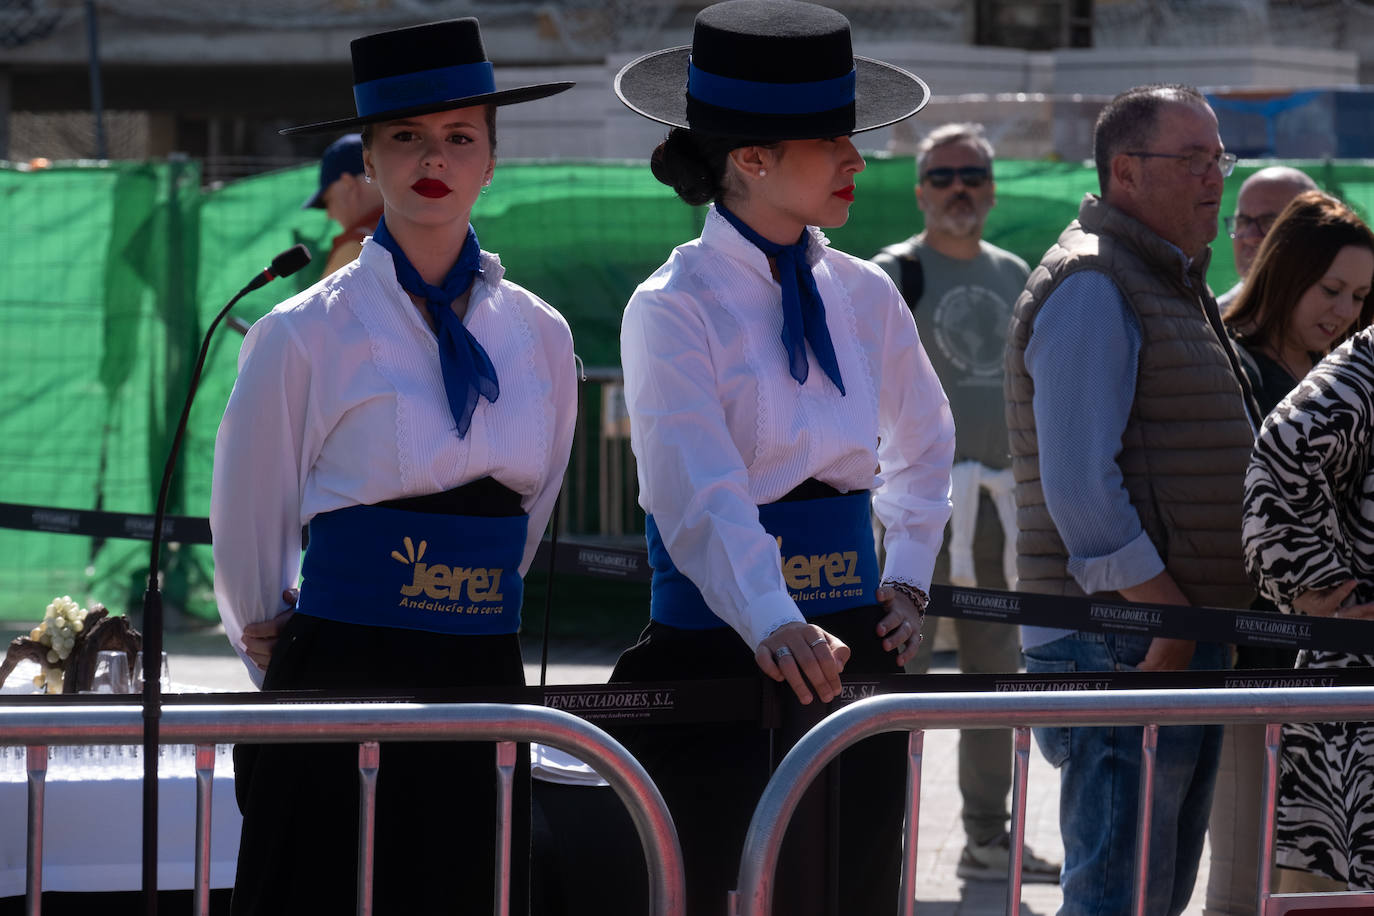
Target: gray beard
[962,225]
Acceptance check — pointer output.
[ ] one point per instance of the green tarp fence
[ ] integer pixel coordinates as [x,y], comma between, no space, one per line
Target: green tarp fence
[109,275]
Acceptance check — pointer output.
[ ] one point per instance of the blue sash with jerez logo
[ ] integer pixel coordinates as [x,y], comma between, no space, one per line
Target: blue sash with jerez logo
[828,561]
[379,566]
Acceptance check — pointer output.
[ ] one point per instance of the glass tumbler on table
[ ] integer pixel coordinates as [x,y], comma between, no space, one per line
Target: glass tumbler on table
[111,673]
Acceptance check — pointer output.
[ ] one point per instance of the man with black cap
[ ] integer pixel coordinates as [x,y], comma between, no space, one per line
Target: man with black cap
[349,197]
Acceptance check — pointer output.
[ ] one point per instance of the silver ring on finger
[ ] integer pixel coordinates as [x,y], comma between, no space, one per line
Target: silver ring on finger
[781,653]
[815,642]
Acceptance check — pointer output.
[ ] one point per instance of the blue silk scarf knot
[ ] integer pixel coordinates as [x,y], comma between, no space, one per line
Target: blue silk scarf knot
[468,371]
[803,312]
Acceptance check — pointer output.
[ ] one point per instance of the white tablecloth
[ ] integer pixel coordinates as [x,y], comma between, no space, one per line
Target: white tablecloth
[92,838]
[93,815]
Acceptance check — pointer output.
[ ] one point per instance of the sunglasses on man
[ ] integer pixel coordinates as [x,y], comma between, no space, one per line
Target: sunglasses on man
[971,176]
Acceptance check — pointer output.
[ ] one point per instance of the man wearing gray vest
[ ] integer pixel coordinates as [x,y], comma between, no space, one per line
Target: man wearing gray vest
[961,290]
[1130,426]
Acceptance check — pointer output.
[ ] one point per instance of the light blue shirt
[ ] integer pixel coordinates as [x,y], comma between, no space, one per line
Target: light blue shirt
[1082,358]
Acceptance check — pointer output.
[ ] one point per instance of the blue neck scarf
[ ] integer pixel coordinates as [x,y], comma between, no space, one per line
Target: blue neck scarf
[467,370]
[803,312]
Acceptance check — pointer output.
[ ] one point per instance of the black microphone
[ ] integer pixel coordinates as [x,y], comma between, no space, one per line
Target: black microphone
[283,265]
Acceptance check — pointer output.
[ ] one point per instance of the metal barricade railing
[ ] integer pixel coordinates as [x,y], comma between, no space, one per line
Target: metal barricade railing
[204,726]
[915,712]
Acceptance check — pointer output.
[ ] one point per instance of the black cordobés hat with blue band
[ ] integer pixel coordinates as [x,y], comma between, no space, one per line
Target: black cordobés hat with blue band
[418,70]
[770,69]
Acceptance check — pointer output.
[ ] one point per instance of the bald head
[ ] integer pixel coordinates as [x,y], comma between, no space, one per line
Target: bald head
[1262,198]
[1280,175]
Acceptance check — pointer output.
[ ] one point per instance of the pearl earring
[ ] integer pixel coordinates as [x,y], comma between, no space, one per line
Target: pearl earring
[367,178]
[762,172]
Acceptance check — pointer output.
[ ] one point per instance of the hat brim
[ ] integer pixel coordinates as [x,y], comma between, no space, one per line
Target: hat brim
[501,97]
[655,86]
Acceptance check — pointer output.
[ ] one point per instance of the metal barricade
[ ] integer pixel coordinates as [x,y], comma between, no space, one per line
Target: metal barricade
[39,725]
[1020,711]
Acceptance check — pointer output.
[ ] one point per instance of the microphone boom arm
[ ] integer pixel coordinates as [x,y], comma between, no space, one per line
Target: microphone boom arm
[284,264]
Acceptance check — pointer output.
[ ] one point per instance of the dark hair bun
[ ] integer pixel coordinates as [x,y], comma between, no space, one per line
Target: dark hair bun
[681,164]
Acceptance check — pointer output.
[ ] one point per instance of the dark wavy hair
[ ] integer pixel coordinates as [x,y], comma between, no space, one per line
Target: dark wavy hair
[1296,253]
[693,164]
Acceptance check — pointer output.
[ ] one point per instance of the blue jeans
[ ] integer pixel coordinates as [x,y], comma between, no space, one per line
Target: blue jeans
[1099,782]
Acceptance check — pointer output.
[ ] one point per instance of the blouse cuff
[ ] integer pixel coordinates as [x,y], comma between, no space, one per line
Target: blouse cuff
[910,562]
[763,616]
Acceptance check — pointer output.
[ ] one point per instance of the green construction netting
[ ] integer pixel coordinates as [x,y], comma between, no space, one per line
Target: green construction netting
[110,274]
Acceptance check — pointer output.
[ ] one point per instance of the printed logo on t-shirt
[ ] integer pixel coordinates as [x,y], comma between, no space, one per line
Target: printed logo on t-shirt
[970,324]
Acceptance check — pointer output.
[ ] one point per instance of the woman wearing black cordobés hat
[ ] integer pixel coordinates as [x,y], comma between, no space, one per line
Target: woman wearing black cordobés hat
[416,410]
[767,377]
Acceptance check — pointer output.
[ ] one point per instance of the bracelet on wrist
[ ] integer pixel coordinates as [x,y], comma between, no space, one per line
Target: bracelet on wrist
[917,595]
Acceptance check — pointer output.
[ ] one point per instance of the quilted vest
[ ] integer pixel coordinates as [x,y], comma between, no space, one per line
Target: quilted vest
[1187,442]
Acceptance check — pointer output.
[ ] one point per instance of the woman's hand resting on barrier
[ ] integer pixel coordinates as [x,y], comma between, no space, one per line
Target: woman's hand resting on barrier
[800,653]
[900,628]
[1330,602]
[259,639]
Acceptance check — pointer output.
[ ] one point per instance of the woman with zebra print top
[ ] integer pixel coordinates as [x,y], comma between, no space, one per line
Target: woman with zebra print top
[1307,532]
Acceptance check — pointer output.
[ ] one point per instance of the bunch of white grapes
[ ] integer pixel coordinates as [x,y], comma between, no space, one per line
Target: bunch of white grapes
[62,621]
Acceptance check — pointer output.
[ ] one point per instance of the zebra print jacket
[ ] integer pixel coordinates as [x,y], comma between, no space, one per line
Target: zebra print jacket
[1309,492]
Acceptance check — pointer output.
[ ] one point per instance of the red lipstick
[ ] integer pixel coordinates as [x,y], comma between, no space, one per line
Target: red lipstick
[431,187]
[846,194]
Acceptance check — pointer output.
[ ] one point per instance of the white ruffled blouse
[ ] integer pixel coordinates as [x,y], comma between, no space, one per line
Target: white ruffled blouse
[719,426]
[340,401]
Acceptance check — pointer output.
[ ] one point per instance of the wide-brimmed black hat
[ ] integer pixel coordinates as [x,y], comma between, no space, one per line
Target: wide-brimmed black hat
[771,69]
[422,69]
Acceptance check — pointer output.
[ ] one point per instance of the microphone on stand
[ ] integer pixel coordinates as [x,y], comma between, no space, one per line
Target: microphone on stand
[283,265]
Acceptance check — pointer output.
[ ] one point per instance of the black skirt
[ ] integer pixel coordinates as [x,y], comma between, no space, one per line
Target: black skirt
[842,852]
[435,841]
